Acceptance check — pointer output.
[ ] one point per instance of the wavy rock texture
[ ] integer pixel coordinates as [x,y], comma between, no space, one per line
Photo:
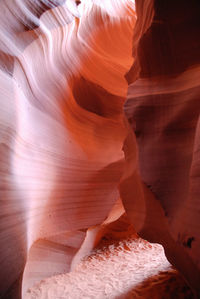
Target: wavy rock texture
[62,130]
[67,147]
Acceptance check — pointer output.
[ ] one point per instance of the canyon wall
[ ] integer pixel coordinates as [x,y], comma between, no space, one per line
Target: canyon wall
[99,116]
[163,108]
[62,133]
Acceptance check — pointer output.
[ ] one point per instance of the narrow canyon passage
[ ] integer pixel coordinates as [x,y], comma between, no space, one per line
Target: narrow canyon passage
[99,149]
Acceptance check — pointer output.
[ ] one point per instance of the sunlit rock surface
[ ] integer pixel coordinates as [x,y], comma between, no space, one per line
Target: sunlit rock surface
[99,115]
[63,130]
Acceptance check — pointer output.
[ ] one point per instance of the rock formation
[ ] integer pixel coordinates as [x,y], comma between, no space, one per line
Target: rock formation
[163,108]
[99,116]
[63,131]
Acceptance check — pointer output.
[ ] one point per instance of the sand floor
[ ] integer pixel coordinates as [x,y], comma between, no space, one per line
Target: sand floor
[128,268]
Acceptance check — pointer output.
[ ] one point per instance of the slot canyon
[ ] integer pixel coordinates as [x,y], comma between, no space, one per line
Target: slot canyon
[99,149]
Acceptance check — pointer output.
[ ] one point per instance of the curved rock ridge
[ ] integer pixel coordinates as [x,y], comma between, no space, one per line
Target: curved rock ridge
[62,130]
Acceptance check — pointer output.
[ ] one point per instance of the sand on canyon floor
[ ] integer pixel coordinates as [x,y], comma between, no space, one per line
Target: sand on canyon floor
[127,268]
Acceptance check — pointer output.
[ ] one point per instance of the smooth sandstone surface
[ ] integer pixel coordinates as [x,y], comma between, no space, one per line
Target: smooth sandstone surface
[163,109]
[63,138]
[99,116]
